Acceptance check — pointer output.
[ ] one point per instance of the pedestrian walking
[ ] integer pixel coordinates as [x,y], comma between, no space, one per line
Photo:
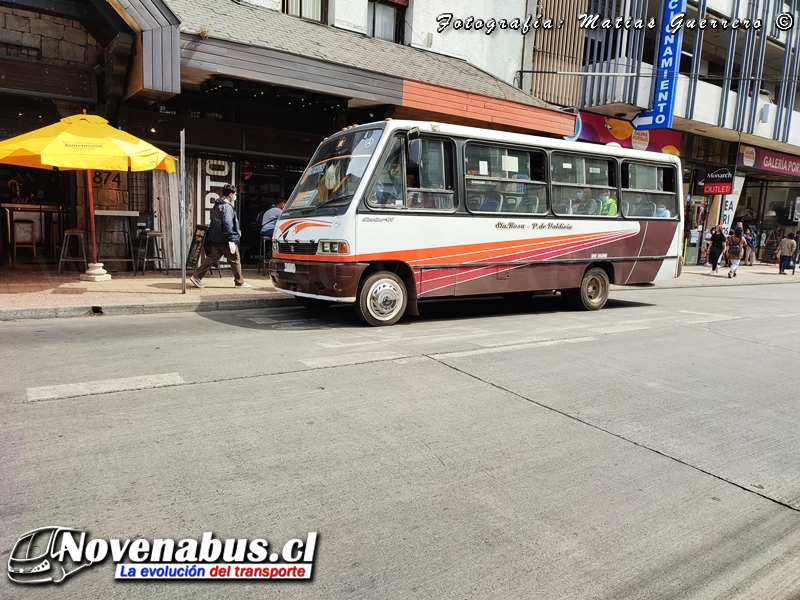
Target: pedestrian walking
[735,251]
[749,246]
[224,235]
[786,252]
[717,245]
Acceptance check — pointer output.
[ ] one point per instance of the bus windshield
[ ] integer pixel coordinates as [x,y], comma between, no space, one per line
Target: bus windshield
[331,179]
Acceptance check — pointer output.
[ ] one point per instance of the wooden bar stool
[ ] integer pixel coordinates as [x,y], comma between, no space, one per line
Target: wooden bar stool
[24,236]
[158,250]
[65,256]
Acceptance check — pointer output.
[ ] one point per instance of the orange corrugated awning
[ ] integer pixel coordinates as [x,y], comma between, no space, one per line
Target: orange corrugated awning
[475,109]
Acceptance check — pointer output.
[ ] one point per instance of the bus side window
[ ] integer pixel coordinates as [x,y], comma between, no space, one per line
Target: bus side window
[388,189]
[504,180]
[649,191]
[434,176]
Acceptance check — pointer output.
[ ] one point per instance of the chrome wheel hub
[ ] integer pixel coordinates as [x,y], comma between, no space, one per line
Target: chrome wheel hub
[384,300]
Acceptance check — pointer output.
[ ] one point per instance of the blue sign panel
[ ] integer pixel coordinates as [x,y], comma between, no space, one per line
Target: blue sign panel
[668,61]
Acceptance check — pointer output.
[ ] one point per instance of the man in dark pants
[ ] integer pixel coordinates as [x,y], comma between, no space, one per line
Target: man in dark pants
[224,235]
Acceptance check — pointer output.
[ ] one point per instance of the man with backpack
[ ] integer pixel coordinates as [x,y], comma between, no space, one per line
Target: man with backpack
[736,245]
[224,235]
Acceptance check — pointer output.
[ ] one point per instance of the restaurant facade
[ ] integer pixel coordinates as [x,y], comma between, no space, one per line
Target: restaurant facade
[253,94]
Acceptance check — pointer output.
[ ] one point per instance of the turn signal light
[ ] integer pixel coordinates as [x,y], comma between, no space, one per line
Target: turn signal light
[330,247]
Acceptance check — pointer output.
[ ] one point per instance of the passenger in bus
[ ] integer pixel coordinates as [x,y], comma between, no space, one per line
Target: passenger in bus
[586,205]
[390,187]
[662,211]
[608,206]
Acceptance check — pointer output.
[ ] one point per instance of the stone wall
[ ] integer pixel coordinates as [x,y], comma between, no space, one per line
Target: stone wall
[110,192]
[26,34]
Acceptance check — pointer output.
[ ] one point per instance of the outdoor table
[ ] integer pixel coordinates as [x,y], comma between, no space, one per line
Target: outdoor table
[125,216]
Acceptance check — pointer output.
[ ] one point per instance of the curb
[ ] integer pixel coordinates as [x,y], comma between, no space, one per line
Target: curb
[17,314]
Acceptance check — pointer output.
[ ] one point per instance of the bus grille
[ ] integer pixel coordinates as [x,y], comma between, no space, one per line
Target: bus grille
[297,248]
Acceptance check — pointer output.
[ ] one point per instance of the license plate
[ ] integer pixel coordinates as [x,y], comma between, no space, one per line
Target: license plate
[289,268]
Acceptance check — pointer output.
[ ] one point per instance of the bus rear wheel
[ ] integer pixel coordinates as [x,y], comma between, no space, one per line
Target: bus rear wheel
[593,293]
[382,299]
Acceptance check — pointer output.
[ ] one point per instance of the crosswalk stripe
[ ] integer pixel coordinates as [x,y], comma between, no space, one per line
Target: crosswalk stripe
[107,386]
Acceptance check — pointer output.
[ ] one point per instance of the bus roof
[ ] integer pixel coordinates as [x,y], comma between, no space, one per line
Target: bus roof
[493,135]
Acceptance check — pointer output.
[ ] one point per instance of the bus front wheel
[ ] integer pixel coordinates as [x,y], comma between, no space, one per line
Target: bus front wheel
[382,299]
[593,293]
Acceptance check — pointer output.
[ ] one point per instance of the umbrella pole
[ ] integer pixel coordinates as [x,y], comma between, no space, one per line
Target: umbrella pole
[90,197]
[95,272]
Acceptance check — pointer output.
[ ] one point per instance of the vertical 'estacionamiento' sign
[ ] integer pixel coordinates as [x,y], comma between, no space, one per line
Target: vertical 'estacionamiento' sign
[668,60]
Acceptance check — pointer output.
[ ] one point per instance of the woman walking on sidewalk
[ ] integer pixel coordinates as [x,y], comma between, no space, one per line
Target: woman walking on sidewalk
[715,249]
[785,252]
[735,251]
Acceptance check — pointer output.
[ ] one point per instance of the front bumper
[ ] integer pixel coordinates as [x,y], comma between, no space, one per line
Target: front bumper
[332,281]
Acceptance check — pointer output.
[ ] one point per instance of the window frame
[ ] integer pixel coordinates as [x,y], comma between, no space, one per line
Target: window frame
[404,209]
[502,146]
[399,22]
[674,214]
[323,11]
[614,172]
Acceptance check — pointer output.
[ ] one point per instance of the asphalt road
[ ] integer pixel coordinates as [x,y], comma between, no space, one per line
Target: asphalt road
[482,450]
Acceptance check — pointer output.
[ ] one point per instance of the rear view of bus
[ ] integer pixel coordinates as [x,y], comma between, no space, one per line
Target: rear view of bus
[393,213]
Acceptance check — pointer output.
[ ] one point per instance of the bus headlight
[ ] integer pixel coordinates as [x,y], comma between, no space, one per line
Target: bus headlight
[333,247]
[275,247]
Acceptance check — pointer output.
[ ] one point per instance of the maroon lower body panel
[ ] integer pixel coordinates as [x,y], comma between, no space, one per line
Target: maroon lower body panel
[335,280]
[504,279]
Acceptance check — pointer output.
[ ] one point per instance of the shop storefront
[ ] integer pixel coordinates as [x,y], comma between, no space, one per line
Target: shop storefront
[708,171]
[43,200]
[771,196]
[224,146]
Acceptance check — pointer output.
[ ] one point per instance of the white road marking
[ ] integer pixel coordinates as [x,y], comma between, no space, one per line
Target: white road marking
[710,319]
[337,344]
[268,321]
[619,328]
[447,355]
[530,340]
[342,360]
[90,388]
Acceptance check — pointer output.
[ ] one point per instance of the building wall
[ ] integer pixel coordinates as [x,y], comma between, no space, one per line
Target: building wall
[349,14]
[271,4]
[499,53]
[42,37]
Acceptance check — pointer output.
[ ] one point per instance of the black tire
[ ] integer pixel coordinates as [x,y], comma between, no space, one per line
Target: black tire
[312,303]
[593,293]
[382,299]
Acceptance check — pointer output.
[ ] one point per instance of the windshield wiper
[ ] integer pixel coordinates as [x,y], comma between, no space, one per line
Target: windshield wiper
[347,197]
[329,204]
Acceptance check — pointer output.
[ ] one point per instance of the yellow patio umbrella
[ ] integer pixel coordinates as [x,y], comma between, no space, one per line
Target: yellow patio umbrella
[84,142]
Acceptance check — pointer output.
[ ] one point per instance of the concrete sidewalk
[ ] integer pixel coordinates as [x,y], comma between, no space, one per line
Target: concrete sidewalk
[698,276]
[31,294]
